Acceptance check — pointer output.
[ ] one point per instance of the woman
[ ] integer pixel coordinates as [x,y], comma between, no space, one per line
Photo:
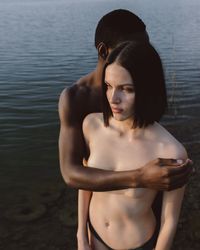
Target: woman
[125,136]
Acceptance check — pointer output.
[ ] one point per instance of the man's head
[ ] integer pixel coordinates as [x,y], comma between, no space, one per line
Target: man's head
[118,26]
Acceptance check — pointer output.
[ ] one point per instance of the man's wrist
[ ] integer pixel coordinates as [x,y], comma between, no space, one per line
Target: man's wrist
[136,178]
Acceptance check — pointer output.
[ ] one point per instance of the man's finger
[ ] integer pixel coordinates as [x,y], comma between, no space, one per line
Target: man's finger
[178,183]
[180,180]
[182,169]
[170,162]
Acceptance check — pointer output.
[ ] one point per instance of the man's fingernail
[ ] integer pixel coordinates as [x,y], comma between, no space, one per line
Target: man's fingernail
[179,161]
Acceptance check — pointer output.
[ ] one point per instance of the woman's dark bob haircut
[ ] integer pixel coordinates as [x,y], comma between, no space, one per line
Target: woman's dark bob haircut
[145,67]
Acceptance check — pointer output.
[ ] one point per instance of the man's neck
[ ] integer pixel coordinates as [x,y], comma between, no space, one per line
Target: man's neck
[97,75]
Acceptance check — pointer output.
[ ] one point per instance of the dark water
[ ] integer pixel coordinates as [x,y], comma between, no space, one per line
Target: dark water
[46,45]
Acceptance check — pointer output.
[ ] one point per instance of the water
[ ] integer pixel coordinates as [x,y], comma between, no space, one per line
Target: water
[47,45]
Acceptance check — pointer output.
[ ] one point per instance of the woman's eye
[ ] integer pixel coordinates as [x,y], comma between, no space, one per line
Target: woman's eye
[130,90]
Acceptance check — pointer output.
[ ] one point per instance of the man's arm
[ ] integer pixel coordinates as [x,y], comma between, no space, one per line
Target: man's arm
[72,151]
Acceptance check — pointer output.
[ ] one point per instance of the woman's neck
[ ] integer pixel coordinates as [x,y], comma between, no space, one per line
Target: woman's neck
[125,127]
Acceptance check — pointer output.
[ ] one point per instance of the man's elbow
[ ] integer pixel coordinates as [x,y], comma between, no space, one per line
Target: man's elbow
[68,175]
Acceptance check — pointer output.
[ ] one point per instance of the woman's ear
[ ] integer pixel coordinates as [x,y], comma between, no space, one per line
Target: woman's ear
[102,50]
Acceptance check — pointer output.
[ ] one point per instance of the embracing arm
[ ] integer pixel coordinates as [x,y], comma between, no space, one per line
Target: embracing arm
[72,152]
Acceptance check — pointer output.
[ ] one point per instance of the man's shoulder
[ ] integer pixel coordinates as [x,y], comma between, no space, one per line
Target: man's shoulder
[75,92]
[74,101]
[81,87]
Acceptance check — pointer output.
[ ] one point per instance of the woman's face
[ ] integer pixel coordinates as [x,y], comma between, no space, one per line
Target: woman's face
[120,91]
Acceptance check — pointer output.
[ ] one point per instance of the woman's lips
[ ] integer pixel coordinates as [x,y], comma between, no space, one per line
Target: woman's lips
[116,110]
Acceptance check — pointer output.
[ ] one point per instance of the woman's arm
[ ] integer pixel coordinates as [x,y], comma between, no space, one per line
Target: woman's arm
[169,219]
[84,197]
[171,206]
[83,211]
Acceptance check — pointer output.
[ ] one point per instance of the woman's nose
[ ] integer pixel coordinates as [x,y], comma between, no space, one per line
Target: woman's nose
[115,98]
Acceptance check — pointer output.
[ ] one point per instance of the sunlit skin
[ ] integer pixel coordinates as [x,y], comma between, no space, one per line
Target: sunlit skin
[117,216]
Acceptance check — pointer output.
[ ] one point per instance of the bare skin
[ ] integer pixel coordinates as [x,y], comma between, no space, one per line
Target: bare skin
[117,216]
[124,219]
[84,98]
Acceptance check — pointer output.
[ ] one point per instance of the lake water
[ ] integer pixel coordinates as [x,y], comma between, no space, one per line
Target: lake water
[46,45]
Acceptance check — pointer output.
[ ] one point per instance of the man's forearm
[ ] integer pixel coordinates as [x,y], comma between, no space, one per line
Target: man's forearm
[95,179]
[153,175]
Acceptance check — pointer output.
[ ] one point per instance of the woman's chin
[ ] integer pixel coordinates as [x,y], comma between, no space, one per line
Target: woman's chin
[123,117]
[119,117]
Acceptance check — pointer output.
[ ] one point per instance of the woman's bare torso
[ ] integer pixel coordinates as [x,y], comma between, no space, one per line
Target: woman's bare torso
[124,218]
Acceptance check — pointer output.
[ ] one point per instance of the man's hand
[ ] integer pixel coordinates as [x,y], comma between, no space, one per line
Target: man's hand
[166,174]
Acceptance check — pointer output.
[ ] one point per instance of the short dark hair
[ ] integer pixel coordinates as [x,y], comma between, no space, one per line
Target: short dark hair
[145,67]
[118,26]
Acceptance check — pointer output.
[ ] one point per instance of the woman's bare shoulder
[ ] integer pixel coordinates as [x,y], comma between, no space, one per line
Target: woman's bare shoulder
[93,119]
[92,122]
[169,146]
